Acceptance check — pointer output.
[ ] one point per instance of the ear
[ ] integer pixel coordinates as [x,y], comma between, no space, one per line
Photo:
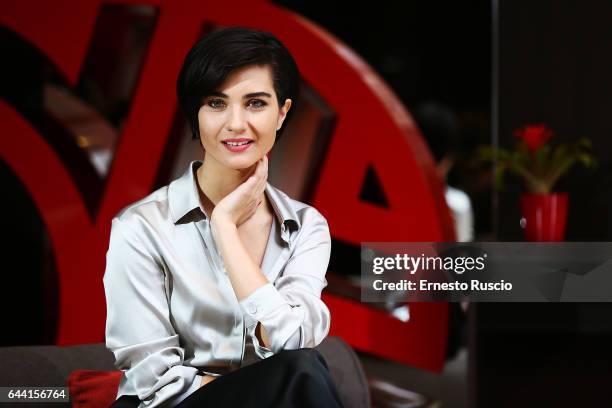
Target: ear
[282,114]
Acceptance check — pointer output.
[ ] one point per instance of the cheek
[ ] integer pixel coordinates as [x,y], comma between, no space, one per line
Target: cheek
[266,125]
[209,126]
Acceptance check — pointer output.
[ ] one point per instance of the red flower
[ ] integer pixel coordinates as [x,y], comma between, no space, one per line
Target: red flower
[534,136]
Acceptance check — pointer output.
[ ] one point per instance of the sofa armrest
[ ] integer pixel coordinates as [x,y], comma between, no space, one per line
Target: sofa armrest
[51,366]
[346,371]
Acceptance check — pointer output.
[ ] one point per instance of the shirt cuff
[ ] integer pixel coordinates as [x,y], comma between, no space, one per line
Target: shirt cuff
[280,319]
[262,302]
[197,381]
[263,352]
[210,373]
[260,351]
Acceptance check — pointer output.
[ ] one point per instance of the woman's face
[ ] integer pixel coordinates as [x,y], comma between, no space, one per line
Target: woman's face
[238,123]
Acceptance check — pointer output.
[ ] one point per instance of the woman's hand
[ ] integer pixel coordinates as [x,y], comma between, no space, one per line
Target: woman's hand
[239,205]
[206,379]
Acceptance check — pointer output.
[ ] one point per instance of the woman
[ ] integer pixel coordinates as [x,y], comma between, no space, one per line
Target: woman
[219,269]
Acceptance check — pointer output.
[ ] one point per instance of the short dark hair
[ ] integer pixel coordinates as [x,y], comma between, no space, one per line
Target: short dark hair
[214,57]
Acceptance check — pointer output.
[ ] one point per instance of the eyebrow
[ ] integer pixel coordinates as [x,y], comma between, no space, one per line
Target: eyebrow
[247,96]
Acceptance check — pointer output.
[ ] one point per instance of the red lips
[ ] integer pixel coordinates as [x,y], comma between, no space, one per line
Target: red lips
[237,145]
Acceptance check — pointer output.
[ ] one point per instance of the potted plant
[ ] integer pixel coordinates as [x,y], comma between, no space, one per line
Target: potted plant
[540,164]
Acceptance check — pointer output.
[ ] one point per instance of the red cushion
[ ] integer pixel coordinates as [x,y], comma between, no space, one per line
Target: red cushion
[92,388]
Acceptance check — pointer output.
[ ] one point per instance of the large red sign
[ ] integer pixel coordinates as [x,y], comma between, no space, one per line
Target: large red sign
[372,130]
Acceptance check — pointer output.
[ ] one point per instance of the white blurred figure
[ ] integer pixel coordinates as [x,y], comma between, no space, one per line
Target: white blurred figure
[439,126]
[460,206]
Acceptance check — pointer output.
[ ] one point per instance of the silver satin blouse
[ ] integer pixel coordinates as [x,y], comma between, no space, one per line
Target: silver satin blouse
[172,315]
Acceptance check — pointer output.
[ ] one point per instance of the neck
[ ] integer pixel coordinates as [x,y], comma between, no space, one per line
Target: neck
[216,181]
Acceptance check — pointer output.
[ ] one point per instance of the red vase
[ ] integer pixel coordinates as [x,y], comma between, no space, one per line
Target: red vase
[544,216]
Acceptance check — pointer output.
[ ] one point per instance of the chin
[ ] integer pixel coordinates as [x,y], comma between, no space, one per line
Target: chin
[241,162]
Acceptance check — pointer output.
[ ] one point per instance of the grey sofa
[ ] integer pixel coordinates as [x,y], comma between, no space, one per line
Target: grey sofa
[51,365]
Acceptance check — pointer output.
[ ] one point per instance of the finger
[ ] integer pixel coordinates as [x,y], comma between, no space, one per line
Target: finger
[262,175]
[259,169]
[256,189]
[264,165]
[262,186]
[252,183]
[249,186]
[265,169]
[252,190]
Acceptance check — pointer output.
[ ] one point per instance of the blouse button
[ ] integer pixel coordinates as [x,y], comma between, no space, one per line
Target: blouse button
[252,308]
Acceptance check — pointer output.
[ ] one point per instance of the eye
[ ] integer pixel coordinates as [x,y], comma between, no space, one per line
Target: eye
[215,103]
[256,103]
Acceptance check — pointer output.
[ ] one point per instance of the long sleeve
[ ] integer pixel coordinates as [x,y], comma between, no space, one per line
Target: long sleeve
[138,327]
[291,309]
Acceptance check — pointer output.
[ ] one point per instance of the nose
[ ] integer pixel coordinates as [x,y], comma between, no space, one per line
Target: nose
[236,121]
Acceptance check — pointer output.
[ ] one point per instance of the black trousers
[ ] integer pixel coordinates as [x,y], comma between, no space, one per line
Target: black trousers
[291,378]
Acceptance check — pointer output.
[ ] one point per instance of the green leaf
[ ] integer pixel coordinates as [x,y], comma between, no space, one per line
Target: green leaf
[541,160]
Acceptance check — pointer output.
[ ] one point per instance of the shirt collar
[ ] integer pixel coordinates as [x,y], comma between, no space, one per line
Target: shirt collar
[183,199]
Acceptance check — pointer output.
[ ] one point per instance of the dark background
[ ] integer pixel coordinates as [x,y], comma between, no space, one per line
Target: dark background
[550,61]
[499,65]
